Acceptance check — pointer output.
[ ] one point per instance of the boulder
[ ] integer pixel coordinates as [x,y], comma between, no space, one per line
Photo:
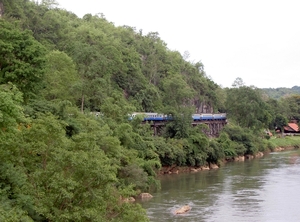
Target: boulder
[239,158]
[278,149]
[205,168]
[128,200]
[213,166]
[194,170]
[259,154]
[249,157]
[145,196]
[183,209]
[175,171]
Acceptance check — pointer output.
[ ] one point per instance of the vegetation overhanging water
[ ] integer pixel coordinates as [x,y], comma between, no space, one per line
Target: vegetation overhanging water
[60,162]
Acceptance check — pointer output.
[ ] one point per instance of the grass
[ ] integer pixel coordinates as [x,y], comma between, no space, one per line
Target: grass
[285,141]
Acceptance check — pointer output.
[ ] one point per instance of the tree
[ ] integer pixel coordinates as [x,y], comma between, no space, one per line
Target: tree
[154,56]
[11,111]
[238,82]
[13,8]
[21,59]
[280,121]
[46,176]
[60,78]
[177,92]
[245,106]
[181,125]
[293,104]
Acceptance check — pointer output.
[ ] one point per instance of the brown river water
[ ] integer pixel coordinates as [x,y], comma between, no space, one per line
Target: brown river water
[264,189]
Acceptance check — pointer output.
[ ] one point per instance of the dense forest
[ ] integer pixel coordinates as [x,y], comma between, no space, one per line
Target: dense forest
[277,93]
[59,162]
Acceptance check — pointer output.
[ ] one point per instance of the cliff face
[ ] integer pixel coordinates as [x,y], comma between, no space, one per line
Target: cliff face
[202,107]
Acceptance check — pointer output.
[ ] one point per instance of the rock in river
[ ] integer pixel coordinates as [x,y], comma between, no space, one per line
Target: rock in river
[183,209]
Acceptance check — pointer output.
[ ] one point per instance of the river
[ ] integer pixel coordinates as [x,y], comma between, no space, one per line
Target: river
[264,189]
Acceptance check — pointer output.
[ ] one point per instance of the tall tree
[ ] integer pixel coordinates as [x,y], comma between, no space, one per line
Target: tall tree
[246,107]
[21,59]
[293,103]
[61,78]
[11,111]
[238,82]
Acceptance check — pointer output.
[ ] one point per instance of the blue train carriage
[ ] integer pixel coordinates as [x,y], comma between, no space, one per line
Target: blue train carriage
[202,116]
[207,116]
[148,116]
[154,117]
[220,116]
[164,117]
[197,117]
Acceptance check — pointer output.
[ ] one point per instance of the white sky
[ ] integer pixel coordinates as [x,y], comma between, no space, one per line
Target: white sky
[257,40]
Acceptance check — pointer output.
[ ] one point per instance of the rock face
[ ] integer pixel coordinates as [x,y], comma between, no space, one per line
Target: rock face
[183,209]
[194,170]
[278,149]
[249,157]
[239,158]
[259,154]
[205,168]
[213,166]
[145,196]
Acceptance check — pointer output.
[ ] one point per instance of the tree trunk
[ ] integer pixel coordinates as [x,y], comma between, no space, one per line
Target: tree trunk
[82,102]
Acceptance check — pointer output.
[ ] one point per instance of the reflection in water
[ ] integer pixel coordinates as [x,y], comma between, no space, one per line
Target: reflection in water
[265,189]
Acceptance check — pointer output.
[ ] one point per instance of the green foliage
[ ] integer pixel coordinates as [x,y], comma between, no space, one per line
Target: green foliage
[293,104]
[177,92]
[133,174]
[10,107]
[278,93]
[55,178]
[242,141]
[13,8]
[288,141]
[246,107]
[181,126]
[115,108]
[170,151]
[215,152]
[60,164]
[280,121]
[21,59]
[196,149]
[60,77]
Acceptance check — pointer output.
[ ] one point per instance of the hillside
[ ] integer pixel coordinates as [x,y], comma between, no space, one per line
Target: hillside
[277,93]
[60,162]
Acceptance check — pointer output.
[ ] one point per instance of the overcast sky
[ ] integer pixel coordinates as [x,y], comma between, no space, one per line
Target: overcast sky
[257,40]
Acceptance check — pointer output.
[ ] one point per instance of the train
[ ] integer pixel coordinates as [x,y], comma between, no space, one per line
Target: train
[164,117]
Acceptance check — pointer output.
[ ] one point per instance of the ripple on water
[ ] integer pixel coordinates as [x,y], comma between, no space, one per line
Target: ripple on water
[263,190]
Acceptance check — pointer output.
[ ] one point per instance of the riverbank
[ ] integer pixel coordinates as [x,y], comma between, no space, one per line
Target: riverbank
[264,189]
[277,144]
[211,166]
[285,142]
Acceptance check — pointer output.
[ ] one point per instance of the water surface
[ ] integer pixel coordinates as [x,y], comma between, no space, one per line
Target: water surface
[265,189]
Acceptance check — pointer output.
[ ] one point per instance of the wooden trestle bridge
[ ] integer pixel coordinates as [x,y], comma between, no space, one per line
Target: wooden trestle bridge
[214,126]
